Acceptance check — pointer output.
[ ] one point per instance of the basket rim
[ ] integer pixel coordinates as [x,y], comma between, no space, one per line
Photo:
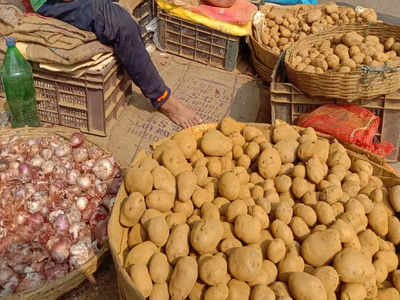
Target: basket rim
[94,259]
[115,245]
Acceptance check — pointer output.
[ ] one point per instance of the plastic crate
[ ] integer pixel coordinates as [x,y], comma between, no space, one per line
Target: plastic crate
[288,103]
[86,103]
[143,14]
[197,42]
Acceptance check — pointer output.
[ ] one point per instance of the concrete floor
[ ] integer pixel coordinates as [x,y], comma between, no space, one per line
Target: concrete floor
[212,93]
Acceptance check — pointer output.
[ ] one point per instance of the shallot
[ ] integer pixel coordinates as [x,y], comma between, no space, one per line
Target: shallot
[55,197]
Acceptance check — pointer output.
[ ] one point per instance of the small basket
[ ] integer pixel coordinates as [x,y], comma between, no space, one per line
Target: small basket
[347,86]
[53,289]
[118,235]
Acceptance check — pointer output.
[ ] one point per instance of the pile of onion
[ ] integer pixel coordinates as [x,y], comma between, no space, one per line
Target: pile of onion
[55,198]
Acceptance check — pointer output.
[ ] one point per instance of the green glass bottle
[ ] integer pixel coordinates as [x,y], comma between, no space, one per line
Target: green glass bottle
[17,78]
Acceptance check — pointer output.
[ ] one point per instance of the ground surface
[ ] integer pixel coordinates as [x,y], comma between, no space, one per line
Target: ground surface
[212,93]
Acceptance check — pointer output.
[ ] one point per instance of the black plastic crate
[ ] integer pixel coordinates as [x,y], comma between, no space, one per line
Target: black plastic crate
[197,42]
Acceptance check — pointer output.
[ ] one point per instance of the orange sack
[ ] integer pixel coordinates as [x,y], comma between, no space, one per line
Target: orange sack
[349,123]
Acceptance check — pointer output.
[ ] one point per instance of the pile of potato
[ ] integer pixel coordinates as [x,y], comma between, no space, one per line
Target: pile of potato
[283,28]
[345,53]
[276,214]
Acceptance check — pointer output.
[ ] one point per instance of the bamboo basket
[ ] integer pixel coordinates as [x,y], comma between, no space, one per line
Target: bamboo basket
[53,289]
[347,86]
[118,235]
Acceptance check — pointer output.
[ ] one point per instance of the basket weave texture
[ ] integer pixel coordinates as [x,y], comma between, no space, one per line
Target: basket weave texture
[118,235]
[347,86]
[53,289]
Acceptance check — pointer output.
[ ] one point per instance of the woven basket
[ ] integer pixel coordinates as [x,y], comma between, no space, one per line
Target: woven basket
[118,235]
[53,289]
[347,86]
[262,70]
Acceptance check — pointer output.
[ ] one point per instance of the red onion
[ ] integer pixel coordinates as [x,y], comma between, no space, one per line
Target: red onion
[25,172]
[81,203]
[31,281]
[84,182]
[101,232]
[37,161]
[55,271]
[13,165]
[10,286]
[59,172]
[36,221]
[61,223]
[76,139]
[108,202]
[87,166]
[95,152]
[73,176]
[34,206]
[80,154]
[5,274]
[46,153]
[100,189]
[103,169]
[62,150]
[74,216]
[48,166]
[60,250]
[113,188]
[80,254]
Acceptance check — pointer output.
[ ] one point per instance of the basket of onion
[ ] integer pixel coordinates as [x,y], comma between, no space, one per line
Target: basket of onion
[56,191]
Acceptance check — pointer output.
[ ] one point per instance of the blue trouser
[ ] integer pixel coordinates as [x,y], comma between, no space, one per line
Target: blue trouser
[115,27]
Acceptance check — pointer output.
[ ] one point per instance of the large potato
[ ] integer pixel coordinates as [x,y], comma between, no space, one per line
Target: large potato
[164,180]
[132,209]
[141,279]
[159,268]
[158,230]
[178,243]
[247,229]
[139,180]
[353,267]
[213,269]
[214,143]
[229,186]
[245,263]
[269,163]
[183,278]
[186,183]
[305,286]
[186,142]
[206,235]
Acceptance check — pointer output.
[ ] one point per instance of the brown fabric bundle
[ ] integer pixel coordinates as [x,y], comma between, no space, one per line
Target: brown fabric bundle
[10,16]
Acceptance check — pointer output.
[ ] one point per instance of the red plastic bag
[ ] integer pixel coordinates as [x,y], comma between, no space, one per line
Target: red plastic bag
[349,123]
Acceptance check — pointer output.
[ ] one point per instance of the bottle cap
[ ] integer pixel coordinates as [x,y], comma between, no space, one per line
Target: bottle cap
[10,41]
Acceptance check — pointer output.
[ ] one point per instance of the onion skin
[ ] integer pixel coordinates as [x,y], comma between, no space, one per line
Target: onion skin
[80,154]
[103,169]
[76,139]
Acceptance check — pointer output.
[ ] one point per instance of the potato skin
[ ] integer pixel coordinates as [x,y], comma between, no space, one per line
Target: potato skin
[352,266]
[183,277]
[206,235]
[245,263]
[178,243]
[269,163]
[214,143]
[132,209]
[159,268]
[141,279]
[305,286]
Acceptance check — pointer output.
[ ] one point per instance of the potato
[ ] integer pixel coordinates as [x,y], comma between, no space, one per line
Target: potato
[141,279]
[234,209]
[137,234]
[352,266]
[237,151]
[183,277]
[267,274]
[388,294]
[310,198]
[213,270]
[252,150]
[175,219]
[178,243]
[352,39]
[283,183]
[394,197]
[283,212]
[342,51]
[238,290]
[331,194]
[257,192]
[313,15]
[299,187]
[174,161]
[381,270]
[290,264]
[140,254]
[369,242]
[320,247]
[132,209]
[328,277]
[287,150]
[280,230]
[378,220]
[158,230]
[245,263]
[269,163]
[164,180]
[247,228]
[394,230]
[306,213]
[159,291]
[186,142]
[305,286]
[201,196]
[260,214]
[308,149]
[325,213]
[229,126]
[149,214]
[139,180]
[214,143]
[262,292]
[251,132]
[160,200]
[186,183]
[206,235]
[276,250]
[229,186]
[389,257]
[196,156]
[159,268]
[353,291]
[229,243]
[214,167]
[299,228]
[283,131]
[217,292]
[299,170]
[333,61]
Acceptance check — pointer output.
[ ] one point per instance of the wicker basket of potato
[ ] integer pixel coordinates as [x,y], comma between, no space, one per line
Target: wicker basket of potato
[285,25]
[350,62]
[239,211]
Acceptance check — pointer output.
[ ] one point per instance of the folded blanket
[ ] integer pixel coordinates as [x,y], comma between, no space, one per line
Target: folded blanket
[51,32]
